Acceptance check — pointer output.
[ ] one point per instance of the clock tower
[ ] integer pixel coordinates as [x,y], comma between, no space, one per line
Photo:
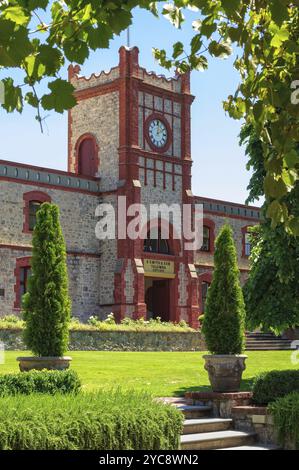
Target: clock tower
[131,129]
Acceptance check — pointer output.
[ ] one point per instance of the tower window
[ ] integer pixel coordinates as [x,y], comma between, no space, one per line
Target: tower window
[87,156]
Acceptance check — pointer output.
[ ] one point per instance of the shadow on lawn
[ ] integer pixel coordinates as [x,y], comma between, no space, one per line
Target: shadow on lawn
[246,386]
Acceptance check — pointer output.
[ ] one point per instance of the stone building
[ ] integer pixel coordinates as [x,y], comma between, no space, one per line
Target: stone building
[128,136]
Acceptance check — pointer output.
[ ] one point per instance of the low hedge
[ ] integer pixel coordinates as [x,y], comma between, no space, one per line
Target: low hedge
[112,420]
[44,381]
[285,412]
[94,324]
[268,386]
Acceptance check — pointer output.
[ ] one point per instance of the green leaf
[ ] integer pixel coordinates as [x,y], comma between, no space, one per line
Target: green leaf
[199,63]
[178,49]
[51,58]
[120,21]
[208,27]
[61,96]
[76,50]
[221,50]
[292,159]
[275,188]
[99,37]
[14,44]
[258,109]
[13,99]
[279,12]
[280,36]
[196,43]
[275,212]
[31,99]
[230,6]
[294,226]
[16,14]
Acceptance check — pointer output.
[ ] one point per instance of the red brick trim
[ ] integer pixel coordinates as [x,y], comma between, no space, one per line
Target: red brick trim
[98,90]
[211,225]
[87,135]
[20,263]
[27,198]
[161,118]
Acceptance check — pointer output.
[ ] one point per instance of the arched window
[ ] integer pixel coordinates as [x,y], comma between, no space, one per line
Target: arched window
[87,156]
[208,233]
[32,202]
[205,280]
[22,274]
[206,241]
[154,243]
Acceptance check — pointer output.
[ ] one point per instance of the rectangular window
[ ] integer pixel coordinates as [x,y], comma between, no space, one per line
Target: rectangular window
[204,292]
[206,239]
[247,244]
[24,275]
[33,208]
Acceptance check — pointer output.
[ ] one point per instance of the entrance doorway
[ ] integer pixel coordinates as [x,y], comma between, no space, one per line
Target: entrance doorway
[157,298]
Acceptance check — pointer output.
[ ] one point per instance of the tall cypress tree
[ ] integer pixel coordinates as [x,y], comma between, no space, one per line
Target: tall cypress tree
[224,317]
[46,304]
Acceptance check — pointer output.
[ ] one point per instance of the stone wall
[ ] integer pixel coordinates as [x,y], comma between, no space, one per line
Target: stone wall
[118,341]
[77,216]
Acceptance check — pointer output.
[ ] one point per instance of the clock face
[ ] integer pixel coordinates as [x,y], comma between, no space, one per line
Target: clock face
[158,134]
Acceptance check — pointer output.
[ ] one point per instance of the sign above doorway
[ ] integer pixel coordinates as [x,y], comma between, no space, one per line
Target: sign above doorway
[159,268]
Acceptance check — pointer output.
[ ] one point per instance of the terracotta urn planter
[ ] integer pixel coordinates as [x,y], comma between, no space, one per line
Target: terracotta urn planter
[39,363]
[225,371]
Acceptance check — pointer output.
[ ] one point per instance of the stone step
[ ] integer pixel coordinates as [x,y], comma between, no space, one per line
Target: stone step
[268,348]
[193,426]
[195,411]
[253,447]
[216,440]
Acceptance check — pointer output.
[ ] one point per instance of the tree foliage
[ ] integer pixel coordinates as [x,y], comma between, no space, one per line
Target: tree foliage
[223,324]
[267,35]
[265,31]
[272,290]
[39,36]
[46,304]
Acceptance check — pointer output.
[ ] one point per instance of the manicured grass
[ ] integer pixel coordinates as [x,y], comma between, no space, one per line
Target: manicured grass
[161,373]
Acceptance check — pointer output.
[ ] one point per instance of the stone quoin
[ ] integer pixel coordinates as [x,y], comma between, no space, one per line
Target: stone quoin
[129,135]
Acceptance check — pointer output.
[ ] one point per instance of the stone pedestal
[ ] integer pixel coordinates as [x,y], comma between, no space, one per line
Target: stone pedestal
[221,403]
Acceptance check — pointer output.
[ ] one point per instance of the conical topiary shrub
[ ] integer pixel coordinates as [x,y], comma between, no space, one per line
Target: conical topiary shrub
[224,319]
[46,304]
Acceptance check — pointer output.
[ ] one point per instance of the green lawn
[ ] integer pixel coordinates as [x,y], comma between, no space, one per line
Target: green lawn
[161,373]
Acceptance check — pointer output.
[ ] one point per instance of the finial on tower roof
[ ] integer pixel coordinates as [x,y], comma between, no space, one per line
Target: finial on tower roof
[128,37]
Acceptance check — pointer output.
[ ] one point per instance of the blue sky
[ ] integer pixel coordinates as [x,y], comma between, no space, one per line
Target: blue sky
[219,163]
